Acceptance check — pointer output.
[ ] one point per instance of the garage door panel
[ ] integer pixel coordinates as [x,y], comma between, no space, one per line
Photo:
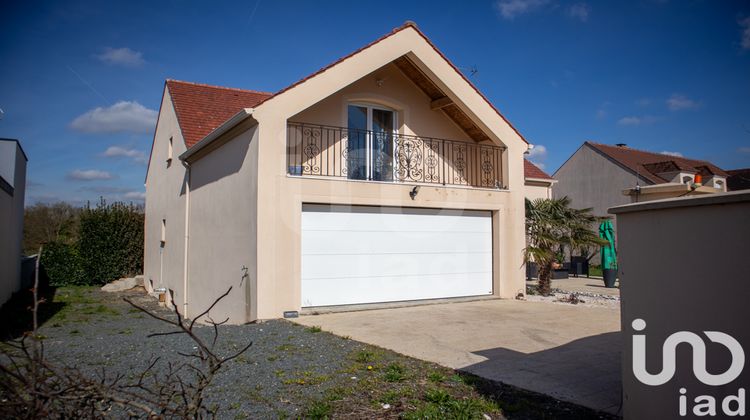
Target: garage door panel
[395,220]
[356,242]
[327,292]
[320,266]
[356,255]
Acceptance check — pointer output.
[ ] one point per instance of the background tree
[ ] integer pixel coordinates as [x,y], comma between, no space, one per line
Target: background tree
[551,226]
[47,223]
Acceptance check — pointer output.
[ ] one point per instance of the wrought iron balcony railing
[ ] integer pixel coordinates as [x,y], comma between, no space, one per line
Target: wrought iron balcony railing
[318,150]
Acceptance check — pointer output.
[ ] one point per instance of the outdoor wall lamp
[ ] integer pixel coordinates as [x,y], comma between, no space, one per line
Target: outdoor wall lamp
[414,191]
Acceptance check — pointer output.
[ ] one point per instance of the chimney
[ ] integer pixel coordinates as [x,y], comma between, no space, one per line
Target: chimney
[623,145]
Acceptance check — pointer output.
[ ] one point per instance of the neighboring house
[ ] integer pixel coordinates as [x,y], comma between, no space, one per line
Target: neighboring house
[12,190]
[538,184]
[601,176]
[385,176]
[739,179]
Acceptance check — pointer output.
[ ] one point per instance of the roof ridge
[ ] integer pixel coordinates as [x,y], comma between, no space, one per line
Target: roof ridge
[669,157]
[406,24]
[219,87]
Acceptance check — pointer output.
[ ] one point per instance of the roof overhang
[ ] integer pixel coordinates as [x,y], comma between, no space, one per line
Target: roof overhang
[550,182]
[213,139]
[404,43]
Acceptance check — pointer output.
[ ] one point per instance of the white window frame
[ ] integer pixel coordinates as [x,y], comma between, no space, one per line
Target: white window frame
[368,148]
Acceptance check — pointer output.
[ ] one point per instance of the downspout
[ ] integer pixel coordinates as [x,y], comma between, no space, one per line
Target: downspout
[187,242]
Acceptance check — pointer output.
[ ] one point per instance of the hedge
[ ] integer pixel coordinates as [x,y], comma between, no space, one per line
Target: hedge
[108,246]
[110,242]
[62,264]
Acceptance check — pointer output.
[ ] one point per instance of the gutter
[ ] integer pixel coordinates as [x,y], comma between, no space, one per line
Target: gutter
[218,132]
[545,180]
[187,241]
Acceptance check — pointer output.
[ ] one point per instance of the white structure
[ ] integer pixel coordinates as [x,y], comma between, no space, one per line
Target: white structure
[12,189]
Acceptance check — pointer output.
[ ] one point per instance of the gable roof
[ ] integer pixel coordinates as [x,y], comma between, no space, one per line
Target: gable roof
[407,24]
[202,108]
[649,164]
[532,171]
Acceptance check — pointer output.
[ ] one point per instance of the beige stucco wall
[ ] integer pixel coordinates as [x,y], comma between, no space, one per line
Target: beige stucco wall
[679,272]
[11,219]
[165,194]
[537,190]
[278,268]
[223,230]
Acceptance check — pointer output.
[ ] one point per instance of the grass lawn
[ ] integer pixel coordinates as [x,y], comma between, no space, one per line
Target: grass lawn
[289,372]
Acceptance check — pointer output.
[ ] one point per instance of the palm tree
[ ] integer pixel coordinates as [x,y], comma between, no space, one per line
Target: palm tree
[551,226]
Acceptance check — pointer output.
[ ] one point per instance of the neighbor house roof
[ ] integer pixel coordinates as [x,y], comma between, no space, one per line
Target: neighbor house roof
[202,108]
[532,171]
[648,164]
[739,179]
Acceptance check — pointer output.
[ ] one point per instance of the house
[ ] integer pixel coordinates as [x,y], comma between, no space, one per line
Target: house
[12,190]
[538,184]
[739,179]
[601,176]
[385,176]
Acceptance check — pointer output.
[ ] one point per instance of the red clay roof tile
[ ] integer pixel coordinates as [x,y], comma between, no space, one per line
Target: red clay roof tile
[202,108]
[532,171]
[644,163]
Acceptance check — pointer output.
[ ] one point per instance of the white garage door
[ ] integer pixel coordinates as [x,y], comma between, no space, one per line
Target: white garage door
[356,254]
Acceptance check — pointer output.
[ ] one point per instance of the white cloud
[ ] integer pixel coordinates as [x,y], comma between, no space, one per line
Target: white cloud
[124,116]
[122,57]
[678,102]
[629,121]
[135,195]
[635,120]
[117,151]
[89,175]
[509,9]
[538,155]
[745,25]
[744,149]
[579,11]
[668,153]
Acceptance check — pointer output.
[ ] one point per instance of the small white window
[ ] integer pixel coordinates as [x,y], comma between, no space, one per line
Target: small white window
[169,152]
[687,179]
[719,184]
[163,232]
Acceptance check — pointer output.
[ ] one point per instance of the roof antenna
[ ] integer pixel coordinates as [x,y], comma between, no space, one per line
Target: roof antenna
[473,70]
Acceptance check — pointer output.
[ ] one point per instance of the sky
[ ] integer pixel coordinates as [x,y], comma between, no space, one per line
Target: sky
[81,82]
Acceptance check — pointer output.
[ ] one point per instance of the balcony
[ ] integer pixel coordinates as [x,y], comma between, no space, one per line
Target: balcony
[326,151]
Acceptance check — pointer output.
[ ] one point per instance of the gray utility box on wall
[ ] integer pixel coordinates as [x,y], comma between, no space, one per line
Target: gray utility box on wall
[685,290]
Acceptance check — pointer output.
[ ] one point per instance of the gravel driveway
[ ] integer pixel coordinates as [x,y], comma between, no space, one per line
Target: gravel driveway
[263,382]
[289,371]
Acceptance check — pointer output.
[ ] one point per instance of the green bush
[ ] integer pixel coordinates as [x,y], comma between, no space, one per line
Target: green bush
[61,263]
[110,241]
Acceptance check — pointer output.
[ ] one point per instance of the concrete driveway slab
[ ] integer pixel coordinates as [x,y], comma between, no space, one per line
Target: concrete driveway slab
[569,352]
